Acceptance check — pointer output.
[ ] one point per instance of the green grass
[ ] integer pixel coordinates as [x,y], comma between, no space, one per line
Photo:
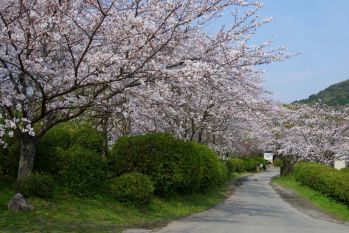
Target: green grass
[332,207]
[66,213]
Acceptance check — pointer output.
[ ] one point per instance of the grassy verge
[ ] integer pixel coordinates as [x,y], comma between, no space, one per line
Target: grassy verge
[66,213]
[332,207]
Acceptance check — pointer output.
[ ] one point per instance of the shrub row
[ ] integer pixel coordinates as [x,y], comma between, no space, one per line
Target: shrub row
[71,156]
[175,166]
[242,164]
[324,179]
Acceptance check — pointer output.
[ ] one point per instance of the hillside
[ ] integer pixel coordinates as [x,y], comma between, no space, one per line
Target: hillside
[336,94]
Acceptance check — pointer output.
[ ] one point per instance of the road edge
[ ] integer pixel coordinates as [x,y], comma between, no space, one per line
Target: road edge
[303,205]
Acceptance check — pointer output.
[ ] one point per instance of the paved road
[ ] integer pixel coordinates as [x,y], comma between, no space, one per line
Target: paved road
[254,207]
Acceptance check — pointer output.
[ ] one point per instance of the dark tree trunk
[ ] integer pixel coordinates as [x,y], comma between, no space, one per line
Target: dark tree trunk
[286,168]
[105,136]
[27,154]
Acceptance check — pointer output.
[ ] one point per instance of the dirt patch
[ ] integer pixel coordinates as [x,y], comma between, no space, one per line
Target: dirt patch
[302,204]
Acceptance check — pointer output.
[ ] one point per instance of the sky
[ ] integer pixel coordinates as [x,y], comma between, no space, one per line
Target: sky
[318,30]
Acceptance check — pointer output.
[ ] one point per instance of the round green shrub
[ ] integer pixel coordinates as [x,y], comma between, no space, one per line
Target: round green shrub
[54,148]
[85,173]
[56,139]
[251,164]
[175,166]
[88,137]
[213,171]
[133,187]
[38,185]
[235,165]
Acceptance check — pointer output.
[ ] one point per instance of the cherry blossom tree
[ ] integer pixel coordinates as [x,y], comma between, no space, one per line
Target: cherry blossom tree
[310,133]
[217,98]
[59,58]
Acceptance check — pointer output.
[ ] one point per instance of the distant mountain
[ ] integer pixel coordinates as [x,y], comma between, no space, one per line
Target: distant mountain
[334,95]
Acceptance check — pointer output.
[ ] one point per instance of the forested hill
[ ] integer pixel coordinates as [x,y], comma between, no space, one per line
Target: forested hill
[336,94]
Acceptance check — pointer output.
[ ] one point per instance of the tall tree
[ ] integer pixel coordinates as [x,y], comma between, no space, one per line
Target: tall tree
[58,58]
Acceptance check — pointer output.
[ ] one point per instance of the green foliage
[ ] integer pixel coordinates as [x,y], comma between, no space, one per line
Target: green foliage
[325,179]
[235,165]
[89,138]
[9,157]
[175,166]
[251,164]
[53,149]
[85,173]
[212,171]
[47,152]
[133,187]
[38,185]
[334,95]
[278,163]
[346,170]
[6,181]
[68,213]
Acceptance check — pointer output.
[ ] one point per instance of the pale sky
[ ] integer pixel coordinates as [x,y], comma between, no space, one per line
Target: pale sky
[316,29]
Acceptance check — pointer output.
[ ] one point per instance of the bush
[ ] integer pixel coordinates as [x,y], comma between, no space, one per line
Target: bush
[47,157]
[38,185]
[324,179]
[236,165]
[133,187]
[88,137]
[212,171]
[53,149]
[175,166]
[278,163]
[6,181]
[9,157]
[85,173]
[250,164]
[345,170]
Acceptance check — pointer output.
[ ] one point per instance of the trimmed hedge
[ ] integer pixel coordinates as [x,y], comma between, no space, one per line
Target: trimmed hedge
[47,157]
[242,164]
[175,166]
[133,187]
[53,149]
[325,179]
[38,185]
[88,137]
[235,165]
[251,163]
[85,172]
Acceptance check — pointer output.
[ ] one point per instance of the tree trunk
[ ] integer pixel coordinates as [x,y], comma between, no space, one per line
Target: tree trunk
[286,168]
[105,135]
[27,154]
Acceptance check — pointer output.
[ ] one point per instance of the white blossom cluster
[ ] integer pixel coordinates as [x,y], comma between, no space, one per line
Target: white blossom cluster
[310,133]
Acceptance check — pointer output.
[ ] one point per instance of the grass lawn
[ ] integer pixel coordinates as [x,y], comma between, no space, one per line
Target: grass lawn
[332,207]
[66,213]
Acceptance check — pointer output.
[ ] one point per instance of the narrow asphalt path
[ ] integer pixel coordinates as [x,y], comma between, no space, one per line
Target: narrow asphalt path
[254,207]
